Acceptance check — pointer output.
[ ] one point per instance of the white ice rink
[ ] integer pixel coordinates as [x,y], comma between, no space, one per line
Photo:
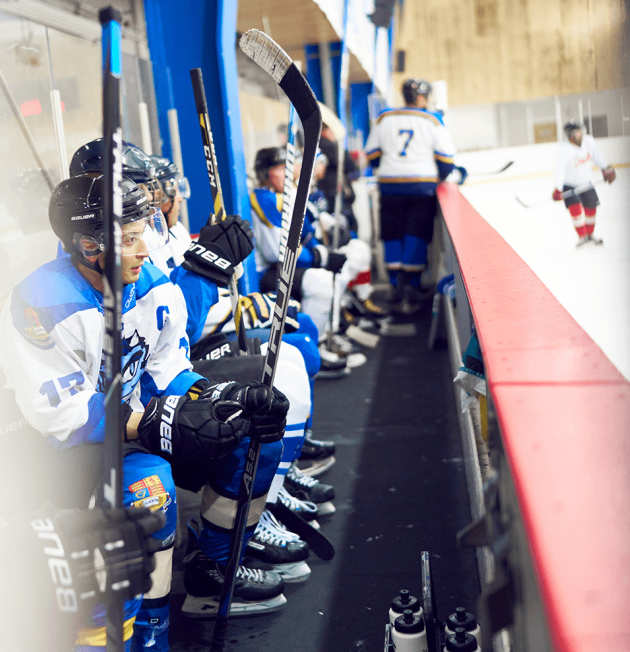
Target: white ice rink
[591,282]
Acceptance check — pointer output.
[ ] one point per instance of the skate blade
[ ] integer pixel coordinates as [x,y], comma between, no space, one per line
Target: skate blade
[362,337]
[319,467]
[298,571]
[194,607]
[324,509]
[398,330]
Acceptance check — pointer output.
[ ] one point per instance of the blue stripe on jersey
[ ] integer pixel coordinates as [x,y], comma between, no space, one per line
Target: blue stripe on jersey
[150,277]
[200,295]
[177,387]
[93,430]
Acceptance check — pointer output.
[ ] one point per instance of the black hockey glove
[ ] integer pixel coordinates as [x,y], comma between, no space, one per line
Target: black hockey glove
[268,418]
[73,565]
[220,248]
[191,432]
[335,261]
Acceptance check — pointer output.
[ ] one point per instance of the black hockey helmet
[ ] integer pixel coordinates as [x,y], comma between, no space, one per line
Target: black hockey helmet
[266,158]
[75,212]
[136,165]
[411,88]
[570,127]
[170,178]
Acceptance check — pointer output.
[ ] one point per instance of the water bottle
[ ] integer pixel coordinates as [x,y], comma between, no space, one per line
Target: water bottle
[404,600]
[461,641]
[464,619]
[409,634]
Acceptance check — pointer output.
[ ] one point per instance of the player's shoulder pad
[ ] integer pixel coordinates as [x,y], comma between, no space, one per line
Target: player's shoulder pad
[265,205]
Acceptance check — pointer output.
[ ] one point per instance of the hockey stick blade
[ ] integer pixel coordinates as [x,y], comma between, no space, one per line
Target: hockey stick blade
[318,543]
[265,52]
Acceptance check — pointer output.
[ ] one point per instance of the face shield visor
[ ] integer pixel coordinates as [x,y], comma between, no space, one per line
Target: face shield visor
[176,185]
[141,236]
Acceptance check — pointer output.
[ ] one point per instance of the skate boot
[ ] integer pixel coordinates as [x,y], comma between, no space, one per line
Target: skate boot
[316,456]
[284,550]
[255,590]
[595,240]
[582,240]
[304,508]
[307,488]
[344,348]
[332,365]
[367,308]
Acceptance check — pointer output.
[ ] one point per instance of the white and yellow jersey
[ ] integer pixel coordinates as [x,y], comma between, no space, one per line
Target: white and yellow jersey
[412,149]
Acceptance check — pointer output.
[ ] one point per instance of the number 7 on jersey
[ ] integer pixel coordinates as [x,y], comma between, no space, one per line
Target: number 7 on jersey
[409,135]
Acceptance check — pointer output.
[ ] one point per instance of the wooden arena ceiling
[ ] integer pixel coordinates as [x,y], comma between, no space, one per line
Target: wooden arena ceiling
[293,24]
[510,50]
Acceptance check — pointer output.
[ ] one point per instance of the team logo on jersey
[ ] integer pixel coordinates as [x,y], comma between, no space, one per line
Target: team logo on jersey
[33,330]
[150,493]
[135,352]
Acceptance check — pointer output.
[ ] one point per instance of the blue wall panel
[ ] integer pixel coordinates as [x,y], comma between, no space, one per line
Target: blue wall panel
[193,34]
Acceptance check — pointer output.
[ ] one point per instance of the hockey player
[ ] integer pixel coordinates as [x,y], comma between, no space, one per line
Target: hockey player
[316,265]
[573,169]
[52,327]
[413,152]
[61,588]
[209,317]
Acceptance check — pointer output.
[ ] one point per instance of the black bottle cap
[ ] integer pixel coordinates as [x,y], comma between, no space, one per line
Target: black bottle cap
[461,618]
[461,641]
[404,600]
[409,623]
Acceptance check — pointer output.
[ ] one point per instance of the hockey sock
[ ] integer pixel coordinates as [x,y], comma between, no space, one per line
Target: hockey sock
[578,219]
[589,219]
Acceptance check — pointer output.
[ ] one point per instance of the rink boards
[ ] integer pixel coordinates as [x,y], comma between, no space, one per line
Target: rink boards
[562,400]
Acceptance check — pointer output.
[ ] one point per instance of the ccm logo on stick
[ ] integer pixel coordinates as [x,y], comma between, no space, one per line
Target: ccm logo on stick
[166,424]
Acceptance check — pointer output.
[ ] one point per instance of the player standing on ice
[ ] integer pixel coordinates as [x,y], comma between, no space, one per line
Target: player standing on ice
[575,159]
[414,152]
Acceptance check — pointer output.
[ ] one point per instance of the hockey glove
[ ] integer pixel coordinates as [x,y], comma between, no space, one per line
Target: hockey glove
[189,432]
[220,248]
[268,418]
[75,574]
[557,195]
[335,262]
[609,174]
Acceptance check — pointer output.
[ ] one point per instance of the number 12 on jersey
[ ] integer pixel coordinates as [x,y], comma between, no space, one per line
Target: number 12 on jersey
[407,135]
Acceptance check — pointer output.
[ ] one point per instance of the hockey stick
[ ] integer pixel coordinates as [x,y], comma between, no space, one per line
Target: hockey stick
[218,209]
[274,61]
[480,173]
[318,543]
[578,190]
[111,491]
[287,195]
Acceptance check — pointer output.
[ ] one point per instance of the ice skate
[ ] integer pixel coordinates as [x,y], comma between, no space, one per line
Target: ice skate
[304,508]
[595,240]
[332,365]
[273,544]
[255,590]
[316,456]
[582,240]
[307,488]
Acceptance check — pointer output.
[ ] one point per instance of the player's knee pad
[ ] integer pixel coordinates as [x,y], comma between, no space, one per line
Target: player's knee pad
[358,255]
[575,209]
[307,346]
[590,212]
[317,284]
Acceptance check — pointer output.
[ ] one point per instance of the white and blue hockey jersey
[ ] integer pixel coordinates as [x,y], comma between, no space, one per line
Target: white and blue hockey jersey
[52,330]
[412,149]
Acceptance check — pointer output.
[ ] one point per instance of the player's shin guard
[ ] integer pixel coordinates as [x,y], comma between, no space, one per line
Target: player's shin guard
[579,222]
[219,500]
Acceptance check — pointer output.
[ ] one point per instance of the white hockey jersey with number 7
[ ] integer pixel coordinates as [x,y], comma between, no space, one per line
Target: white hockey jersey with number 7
[413,151]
